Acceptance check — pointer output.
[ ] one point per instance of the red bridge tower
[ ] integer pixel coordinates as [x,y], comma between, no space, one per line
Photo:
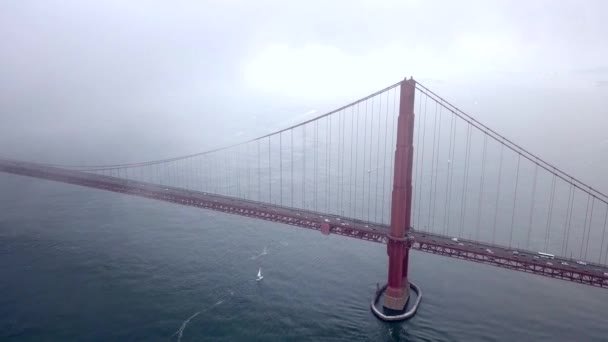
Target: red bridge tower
[398,289]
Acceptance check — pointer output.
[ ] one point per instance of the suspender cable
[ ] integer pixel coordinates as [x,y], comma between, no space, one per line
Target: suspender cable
[378,157]
[190,173]
[356,211]
[259,173]
[337,158]
[292,180]
[328,165]
[269,174]
[343,156]
[421,152]
[394,143]
[369,168]
[352,147]
[584,227]
[514,147]
[91,167]
[237,170]
[589,229]
[417,152]
[304,167]
[497,193]
[466,180]
[481,184]
[568,219]
[550,213]
[603,235]
[431,188]
[223,170]
[531,217]
[436,166]
[447,180]
[316,145]
[281,167]
[364,160]
[336,191]
[248,161]
[386,167]
[158,174]
[218,174]
[514,200]
[340,162]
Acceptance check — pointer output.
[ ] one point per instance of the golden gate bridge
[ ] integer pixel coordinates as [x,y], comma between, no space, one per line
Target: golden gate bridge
[402,167]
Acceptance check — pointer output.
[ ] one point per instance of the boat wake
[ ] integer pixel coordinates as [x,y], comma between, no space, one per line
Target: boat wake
[180,331]
[264,252]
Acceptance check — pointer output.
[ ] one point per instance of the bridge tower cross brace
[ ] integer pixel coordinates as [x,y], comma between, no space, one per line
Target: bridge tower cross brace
[398,289]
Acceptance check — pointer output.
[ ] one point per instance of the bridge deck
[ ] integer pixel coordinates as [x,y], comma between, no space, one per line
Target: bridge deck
[526,261]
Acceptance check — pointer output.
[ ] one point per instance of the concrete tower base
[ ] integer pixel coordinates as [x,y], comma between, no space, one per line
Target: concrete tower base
[402,315]
[396,299]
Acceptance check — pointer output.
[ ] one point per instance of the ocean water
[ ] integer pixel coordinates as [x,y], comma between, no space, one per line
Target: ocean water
[86,265]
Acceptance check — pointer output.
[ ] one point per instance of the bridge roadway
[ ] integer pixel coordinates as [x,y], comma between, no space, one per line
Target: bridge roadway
[520,260]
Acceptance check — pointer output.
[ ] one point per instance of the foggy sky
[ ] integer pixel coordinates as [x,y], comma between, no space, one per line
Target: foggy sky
[119,81]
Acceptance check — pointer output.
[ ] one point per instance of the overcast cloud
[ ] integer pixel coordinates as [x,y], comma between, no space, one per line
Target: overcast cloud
[116,81]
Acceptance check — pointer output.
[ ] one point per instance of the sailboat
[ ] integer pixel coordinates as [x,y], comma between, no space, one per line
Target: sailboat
[260,277]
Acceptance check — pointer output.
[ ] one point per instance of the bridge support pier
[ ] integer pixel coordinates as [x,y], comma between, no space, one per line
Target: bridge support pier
[397,290]
[396,299]
[400,316]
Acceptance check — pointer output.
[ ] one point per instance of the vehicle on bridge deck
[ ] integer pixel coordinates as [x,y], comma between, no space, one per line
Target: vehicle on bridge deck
[546,255]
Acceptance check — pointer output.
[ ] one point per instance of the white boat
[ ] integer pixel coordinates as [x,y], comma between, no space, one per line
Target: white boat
[260,277]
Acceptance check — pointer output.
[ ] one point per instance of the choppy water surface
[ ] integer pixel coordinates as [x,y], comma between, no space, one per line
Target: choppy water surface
[81,264]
